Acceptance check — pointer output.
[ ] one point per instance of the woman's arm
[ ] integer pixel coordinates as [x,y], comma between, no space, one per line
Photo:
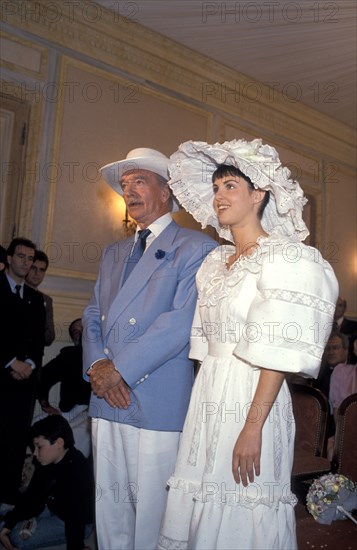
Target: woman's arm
[246,452]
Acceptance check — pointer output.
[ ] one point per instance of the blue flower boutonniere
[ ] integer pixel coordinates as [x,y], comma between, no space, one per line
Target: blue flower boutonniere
[159,254]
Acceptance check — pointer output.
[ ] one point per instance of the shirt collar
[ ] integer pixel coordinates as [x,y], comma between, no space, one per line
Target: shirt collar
[157,227]
[13,283]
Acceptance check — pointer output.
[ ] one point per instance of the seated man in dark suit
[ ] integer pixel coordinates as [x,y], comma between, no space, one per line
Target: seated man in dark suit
[67,368]
[342,324]
[22,326]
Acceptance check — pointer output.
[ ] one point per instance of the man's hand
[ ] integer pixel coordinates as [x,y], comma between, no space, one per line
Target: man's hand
[104,378]
[119,396]
[47,408]
[20,370]
[4,539]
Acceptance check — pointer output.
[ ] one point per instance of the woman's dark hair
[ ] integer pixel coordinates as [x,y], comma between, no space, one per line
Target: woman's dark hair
[229,170]
[52,427]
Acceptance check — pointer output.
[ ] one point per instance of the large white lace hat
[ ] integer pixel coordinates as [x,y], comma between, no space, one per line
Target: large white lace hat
[141,158]
[191,168]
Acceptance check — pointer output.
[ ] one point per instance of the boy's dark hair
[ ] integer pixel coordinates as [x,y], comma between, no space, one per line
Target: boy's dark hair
[41,257]
[51,428]
[223,170]
[19,241]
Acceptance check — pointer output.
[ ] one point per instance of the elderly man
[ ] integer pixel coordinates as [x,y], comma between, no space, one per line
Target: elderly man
[136,336]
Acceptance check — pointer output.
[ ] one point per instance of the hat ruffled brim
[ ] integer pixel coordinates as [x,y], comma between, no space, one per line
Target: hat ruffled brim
[191,168]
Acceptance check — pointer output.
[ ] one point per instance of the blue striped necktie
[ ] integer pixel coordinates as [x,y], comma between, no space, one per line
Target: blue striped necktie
[138,251]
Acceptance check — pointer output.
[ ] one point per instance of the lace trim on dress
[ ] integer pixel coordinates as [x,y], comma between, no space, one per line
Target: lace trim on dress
[280,342]
[248,497]
[197,332]
[192,457]
[166,543]
[217,281]
[300,298]
[183,484]
[212,449]
[212,493]
[278,450]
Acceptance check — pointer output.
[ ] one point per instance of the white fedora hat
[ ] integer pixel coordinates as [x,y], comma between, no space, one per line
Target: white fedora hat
[141,158]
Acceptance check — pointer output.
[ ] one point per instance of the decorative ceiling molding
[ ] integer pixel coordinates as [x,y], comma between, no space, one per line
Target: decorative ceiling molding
[128,47]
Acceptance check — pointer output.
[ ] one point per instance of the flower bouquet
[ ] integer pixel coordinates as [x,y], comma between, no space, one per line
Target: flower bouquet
[330,497]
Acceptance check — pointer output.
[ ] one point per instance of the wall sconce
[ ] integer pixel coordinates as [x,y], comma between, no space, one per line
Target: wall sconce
[128,224]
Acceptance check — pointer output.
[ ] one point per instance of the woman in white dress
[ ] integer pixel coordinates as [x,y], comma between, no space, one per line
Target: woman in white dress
[265,308]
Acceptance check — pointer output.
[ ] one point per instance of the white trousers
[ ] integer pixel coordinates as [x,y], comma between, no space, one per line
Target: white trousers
[131,467]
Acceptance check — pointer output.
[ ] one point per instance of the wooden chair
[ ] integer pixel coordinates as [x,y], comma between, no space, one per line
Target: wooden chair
[311,412]
[344,459]
[341,533]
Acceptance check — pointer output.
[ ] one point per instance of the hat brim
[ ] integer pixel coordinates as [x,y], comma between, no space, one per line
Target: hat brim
[191,168]
[113,172]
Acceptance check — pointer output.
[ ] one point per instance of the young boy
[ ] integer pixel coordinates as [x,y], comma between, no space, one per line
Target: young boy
[60,494]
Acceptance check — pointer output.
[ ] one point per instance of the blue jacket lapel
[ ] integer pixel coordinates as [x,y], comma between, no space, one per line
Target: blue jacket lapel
[142,272]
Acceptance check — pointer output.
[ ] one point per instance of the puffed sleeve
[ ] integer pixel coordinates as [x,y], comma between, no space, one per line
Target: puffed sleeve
[290,318]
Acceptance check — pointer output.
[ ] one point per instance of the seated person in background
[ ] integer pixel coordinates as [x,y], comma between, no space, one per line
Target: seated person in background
[33,279]
[341,324]
[60,496]
[336,351]
[352,354]
[343,383]
[67,369]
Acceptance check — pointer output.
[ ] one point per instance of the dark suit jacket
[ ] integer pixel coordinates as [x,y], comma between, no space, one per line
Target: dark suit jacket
[348,327]
[50,333]
[66,368]
[22,327]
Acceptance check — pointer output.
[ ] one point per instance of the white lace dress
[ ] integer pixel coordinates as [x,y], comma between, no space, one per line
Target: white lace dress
[273,309]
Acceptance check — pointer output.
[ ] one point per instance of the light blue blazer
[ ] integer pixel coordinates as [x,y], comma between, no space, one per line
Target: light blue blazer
[144,326]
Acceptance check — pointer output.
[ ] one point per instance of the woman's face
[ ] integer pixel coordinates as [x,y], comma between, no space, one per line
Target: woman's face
[235,203]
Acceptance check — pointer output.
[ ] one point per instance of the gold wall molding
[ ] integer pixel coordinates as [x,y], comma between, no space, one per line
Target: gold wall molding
[127,46]
[23,56]
[65,64]
[67,307]
[29,173]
